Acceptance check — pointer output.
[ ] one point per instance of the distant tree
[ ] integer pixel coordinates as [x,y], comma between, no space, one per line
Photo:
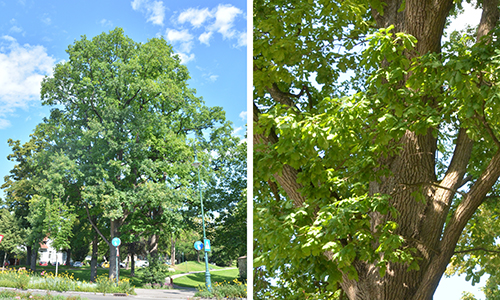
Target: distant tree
[19,187]
[13,233]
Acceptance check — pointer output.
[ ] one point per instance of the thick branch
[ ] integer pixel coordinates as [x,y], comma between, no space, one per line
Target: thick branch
[287,179]
[95,227]
[476,249]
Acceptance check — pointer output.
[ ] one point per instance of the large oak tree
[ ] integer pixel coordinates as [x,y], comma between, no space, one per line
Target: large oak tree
[377,146]
[124,113]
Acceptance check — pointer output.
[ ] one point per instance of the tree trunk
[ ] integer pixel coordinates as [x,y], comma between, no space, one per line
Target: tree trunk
[68,257]
[28,255]
[132,259]
[93,260]
[172,251]
[114,272]
[152,244]
[4,258]
[34,254]
[421,223]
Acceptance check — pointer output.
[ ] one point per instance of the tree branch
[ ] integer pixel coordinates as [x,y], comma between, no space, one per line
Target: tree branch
[95,227]
[476,249]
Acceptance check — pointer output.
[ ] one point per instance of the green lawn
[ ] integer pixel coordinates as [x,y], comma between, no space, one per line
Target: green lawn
[191,266]
[197,279]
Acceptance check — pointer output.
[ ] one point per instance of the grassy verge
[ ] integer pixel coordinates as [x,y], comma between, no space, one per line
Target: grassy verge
[192,266]
[198,279]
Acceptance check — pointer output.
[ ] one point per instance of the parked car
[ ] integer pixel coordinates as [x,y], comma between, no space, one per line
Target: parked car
[58,263]
[123,265]
[43,263]
[77,264]
[141,263]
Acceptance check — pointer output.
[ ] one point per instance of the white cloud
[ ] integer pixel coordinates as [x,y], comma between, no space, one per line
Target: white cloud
[106,23]
[4,123]
[213,78]
[15,29]
[243,115]
[242,39]
[174,35]
[154,10]
[46,21]
[237,130]
[181,37]
[205,38]
[225,16]
[22,69]
[185,58]
[194,16]
[221,19]
[136,4]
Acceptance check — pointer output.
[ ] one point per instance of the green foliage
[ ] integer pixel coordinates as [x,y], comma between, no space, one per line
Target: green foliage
[123,119]
[12,231]
[224,290]
[356,92]
[156,272]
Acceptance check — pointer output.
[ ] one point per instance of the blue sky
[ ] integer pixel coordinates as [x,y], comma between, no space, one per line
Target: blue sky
[209,36]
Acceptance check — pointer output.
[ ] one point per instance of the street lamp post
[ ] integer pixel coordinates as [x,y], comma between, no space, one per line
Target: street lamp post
[208,283]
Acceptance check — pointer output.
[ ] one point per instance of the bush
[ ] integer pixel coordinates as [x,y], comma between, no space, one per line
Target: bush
[22,280]
[156,272]
[221,290]
[158,286]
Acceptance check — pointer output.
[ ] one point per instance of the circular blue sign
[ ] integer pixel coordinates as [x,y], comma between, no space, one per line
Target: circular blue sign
[198,245]
[116,242]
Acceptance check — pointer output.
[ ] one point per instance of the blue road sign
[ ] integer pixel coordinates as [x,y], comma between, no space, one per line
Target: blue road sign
[198,245]
[207,245]
[116,242]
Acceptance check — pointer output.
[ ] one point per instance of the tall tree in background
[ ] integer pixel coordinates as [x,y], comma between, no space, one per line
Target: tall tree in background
[375,182]
[20,187]
[126,111]
[13,234]
[226,195]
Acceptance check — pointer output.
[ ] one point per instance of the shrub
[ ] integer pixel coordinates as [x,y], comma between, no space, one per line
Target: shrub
[158,286]
[220,290]
[155,272]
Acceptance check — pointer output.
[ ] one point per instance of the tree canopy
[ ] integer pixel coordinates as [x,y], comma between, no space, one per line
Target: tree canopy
[376,147]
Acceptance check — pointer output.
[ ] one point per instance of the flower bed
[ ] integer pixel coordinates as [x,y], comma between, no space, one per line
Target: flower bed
[62,282]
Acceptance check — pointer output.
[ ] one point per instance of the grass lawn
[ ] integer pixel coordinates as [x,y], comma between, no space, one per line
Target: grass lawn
[191,266]
[194,280]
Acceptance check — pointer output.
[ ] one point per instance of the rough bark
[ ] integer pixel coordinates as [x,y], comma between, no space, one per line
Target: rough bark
[114,272]
[93,260]
[422,223]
